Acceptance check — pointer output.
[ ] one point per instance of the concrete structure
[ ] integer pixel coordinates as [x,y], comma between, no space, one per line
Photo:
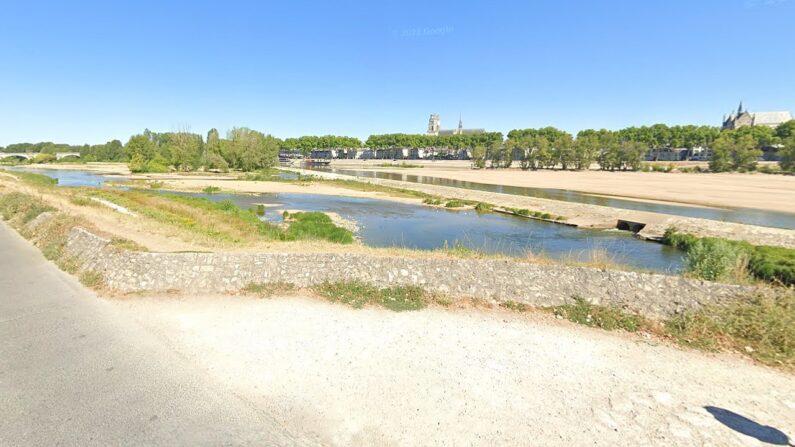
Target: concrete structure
[31,155]
[435,128]
[742,118]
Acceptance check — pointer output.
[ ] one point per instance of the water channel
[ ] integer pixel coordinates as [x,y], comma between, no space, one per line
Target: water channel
[391,224]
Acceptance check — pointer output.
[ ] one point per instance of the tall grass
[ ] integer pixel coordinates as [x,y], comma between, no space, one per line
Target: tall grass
[761,327]
[711,258]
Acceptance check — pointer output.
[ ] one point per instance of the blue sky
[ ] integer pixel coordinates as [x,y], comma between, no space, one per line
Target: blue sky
[90,71]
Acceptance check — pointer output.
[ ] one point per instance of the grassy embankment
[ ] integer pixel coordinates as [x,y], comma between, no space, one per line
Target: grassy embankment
[718,259]
[221,221]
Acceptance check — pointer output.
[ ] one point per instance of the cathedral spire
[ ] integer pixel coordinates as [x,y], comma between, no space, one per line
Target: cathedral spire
[460,122]
[740,109]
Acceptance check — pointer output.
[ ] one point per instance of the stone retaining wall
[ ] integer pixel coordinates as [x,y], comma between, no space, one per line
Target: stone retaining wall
[494,280]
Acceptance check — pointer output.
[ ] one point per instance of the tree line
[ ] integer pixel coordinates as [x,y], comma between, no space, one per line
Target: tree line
[545,148]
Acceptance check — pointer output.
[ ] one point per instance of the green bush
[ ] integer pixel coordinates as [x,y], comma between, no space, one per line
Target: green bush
[771,264]
[454,203]
[211,190]
[713,259]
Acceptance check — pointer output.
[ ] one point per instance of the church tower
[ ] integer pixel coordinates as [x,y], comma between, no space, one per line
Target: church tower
[434,124]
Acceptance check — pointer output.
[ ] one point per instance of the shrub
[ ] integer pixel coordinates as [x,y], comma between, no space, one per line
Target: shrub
[432,201]
[713,259]
[454,203]
[211,190]
[771,264]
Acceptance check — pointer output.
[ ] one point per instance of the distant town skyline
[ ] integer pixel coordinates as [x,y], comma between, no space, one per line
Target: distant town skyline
[88,73]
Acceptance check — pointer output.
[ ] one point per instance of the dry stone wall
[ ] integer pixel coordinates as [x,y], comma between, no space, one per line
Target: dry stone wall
[495,280]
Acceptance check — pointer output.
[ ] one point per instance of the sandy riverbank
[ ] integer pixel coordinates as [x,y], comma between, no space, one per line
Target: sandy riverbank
[259,187]
[759,191]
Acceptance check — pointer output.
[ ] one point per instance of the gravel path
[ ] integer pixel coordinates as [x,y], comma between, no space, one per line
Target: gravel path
[467,377]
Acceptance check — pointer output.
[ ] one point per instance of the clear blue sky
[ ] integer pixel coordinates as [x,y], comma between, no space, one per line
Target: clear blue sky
[90,71]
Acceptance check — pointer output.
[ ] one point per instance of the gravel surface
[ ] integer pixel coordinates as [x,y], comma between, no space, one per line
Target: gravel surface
[468,377]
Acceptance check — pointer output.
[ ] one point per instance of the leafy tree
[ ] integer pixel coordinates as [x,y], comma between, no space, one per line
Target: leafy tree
[786,130]
[735,150]
[787,154]
[721,154]
[479,156]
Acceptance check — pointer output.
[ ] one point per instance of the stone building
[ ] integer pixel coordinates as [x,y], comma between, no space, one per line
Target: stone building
[435,128]
[742,118]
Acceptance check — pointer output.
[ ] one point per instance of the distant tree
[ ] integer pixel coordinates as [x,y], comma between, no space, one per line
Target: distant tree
[787,154]
[786,130]
[479,156]
[721,154]
[735,150]
[250,150]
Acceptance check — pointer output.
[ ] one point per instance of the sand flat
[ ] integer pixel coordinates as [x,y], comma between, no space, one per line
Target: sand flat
[759,191]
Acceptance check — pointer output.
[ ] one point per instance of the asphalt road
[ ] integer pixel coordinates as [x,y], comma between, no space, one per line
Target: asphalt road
[76,371]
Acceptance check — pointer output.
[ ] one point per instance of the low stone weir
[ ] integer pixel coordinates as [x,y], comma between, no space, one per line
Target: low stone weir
[651,295]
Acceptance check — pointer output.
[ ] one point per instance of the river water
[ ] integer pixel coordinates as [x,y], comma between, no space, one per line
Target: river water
[739,215]
[390,224]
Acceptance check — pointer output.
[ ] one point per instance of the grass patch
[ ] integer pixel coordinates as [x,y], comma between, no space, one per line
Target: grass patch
[483,207]
[156,184]
[454,203]
[82,201]
[21,207]
[515,306]
[315,225]
[127,245]
[222,221]
[211,190]
[459,250]
[34,179]
[435,201]
[718,258]
[760,327]
[583,312]
[358,294]
[269,289]
[91,279]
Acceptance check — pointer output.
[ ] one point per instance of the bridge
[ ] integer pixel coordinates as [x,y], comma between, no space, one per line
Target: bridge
[30,155]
